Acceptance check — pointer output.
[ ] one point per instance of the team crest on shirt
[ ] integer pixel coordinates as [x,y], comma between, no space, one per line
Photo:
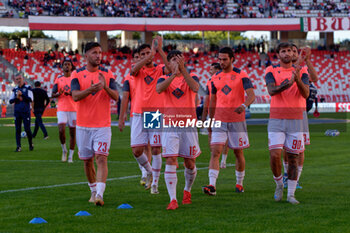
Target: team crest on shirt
[148,79]
[178,93]
[84,76]
[226,90]
[233,77]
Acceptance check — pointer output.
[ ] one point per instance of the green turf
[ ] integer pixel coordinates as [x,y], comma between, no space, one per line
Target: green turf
[324,198]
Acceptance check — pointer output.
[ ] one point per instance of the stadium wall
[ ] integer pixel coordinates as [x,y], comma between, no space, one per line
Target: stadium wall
[163,24]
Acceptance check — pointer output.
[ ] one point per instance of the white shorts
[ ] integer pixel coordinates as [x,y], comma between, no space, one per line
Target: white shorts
[180,142]
[140,136]
[91,141]
[234,132]
[69,118]
[306,133]
[287,134]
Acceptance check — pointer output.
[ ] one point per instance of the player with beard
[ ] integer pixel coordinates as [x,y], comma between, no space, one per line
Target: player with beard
[227,104]
[93,87]
[214,68]
[288,87]
[306,53]
[146,75]
[129,94]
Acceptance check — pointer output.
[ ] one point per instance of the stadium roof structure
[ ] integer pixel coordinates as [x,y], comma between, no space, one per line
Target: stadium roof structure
[162,24]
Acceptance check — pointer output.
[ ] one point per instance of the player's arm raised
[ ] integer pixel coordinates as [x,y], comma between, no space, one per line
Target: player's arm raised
[137,66]
[163,84]
[191,82]
[302,82]
[159,47]
[310,67]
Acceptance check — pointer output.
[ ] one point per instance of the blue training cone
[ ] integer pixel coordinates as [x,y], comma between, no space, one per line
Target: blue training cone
[125,206]
[83,213]
[37,220]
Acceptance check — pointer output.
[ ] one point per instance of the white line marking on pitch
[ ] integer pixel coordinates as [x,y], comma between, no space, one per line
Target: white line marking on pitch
[79,183]
[59,161]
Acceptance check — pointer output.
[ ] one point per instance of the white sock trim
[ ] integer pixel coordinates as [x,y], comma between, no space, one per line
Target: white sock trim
[143,161]
[92,187]
[190,176]
[213,175]
[64,148]
[100,188]
[240,177]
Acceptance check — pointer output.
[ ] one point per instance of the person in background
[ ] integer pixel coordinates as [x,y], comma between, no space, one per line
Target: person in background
[21,97]
[39,104]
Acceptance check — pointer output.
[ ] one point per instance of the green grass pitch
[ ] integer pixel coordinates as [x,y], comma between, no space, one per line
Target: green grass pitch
[324,199]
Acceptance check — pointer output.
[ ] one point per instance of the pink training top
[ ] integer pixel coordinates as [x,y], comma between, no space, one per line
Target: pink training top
[229,89]
[145,82]
[288,104]
[95,110]
[65,100]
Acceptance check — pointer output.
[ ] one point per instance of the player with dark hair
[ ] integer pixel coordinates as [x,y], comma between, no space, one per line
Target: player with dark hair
[21,97]
[309,68]
[146,74]
[227,104]
[129,94]
[66,108]
[41,101]
[214,68]
[179,90]
[93,87]
[288,86]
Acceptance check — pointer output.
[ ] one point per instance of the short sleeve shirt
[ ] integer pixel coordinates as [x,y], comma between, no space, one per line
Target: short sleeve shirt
[288,104]
[146,96]
[179,99]
[65,101]
[129,86]
[95,110]
[229,89]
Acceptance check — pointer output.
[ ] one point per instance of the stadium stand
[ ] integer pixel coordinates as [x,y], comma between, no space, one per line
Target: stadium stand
[182,8]
[332,68]
[54,8]
[120,8]
[204,9]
